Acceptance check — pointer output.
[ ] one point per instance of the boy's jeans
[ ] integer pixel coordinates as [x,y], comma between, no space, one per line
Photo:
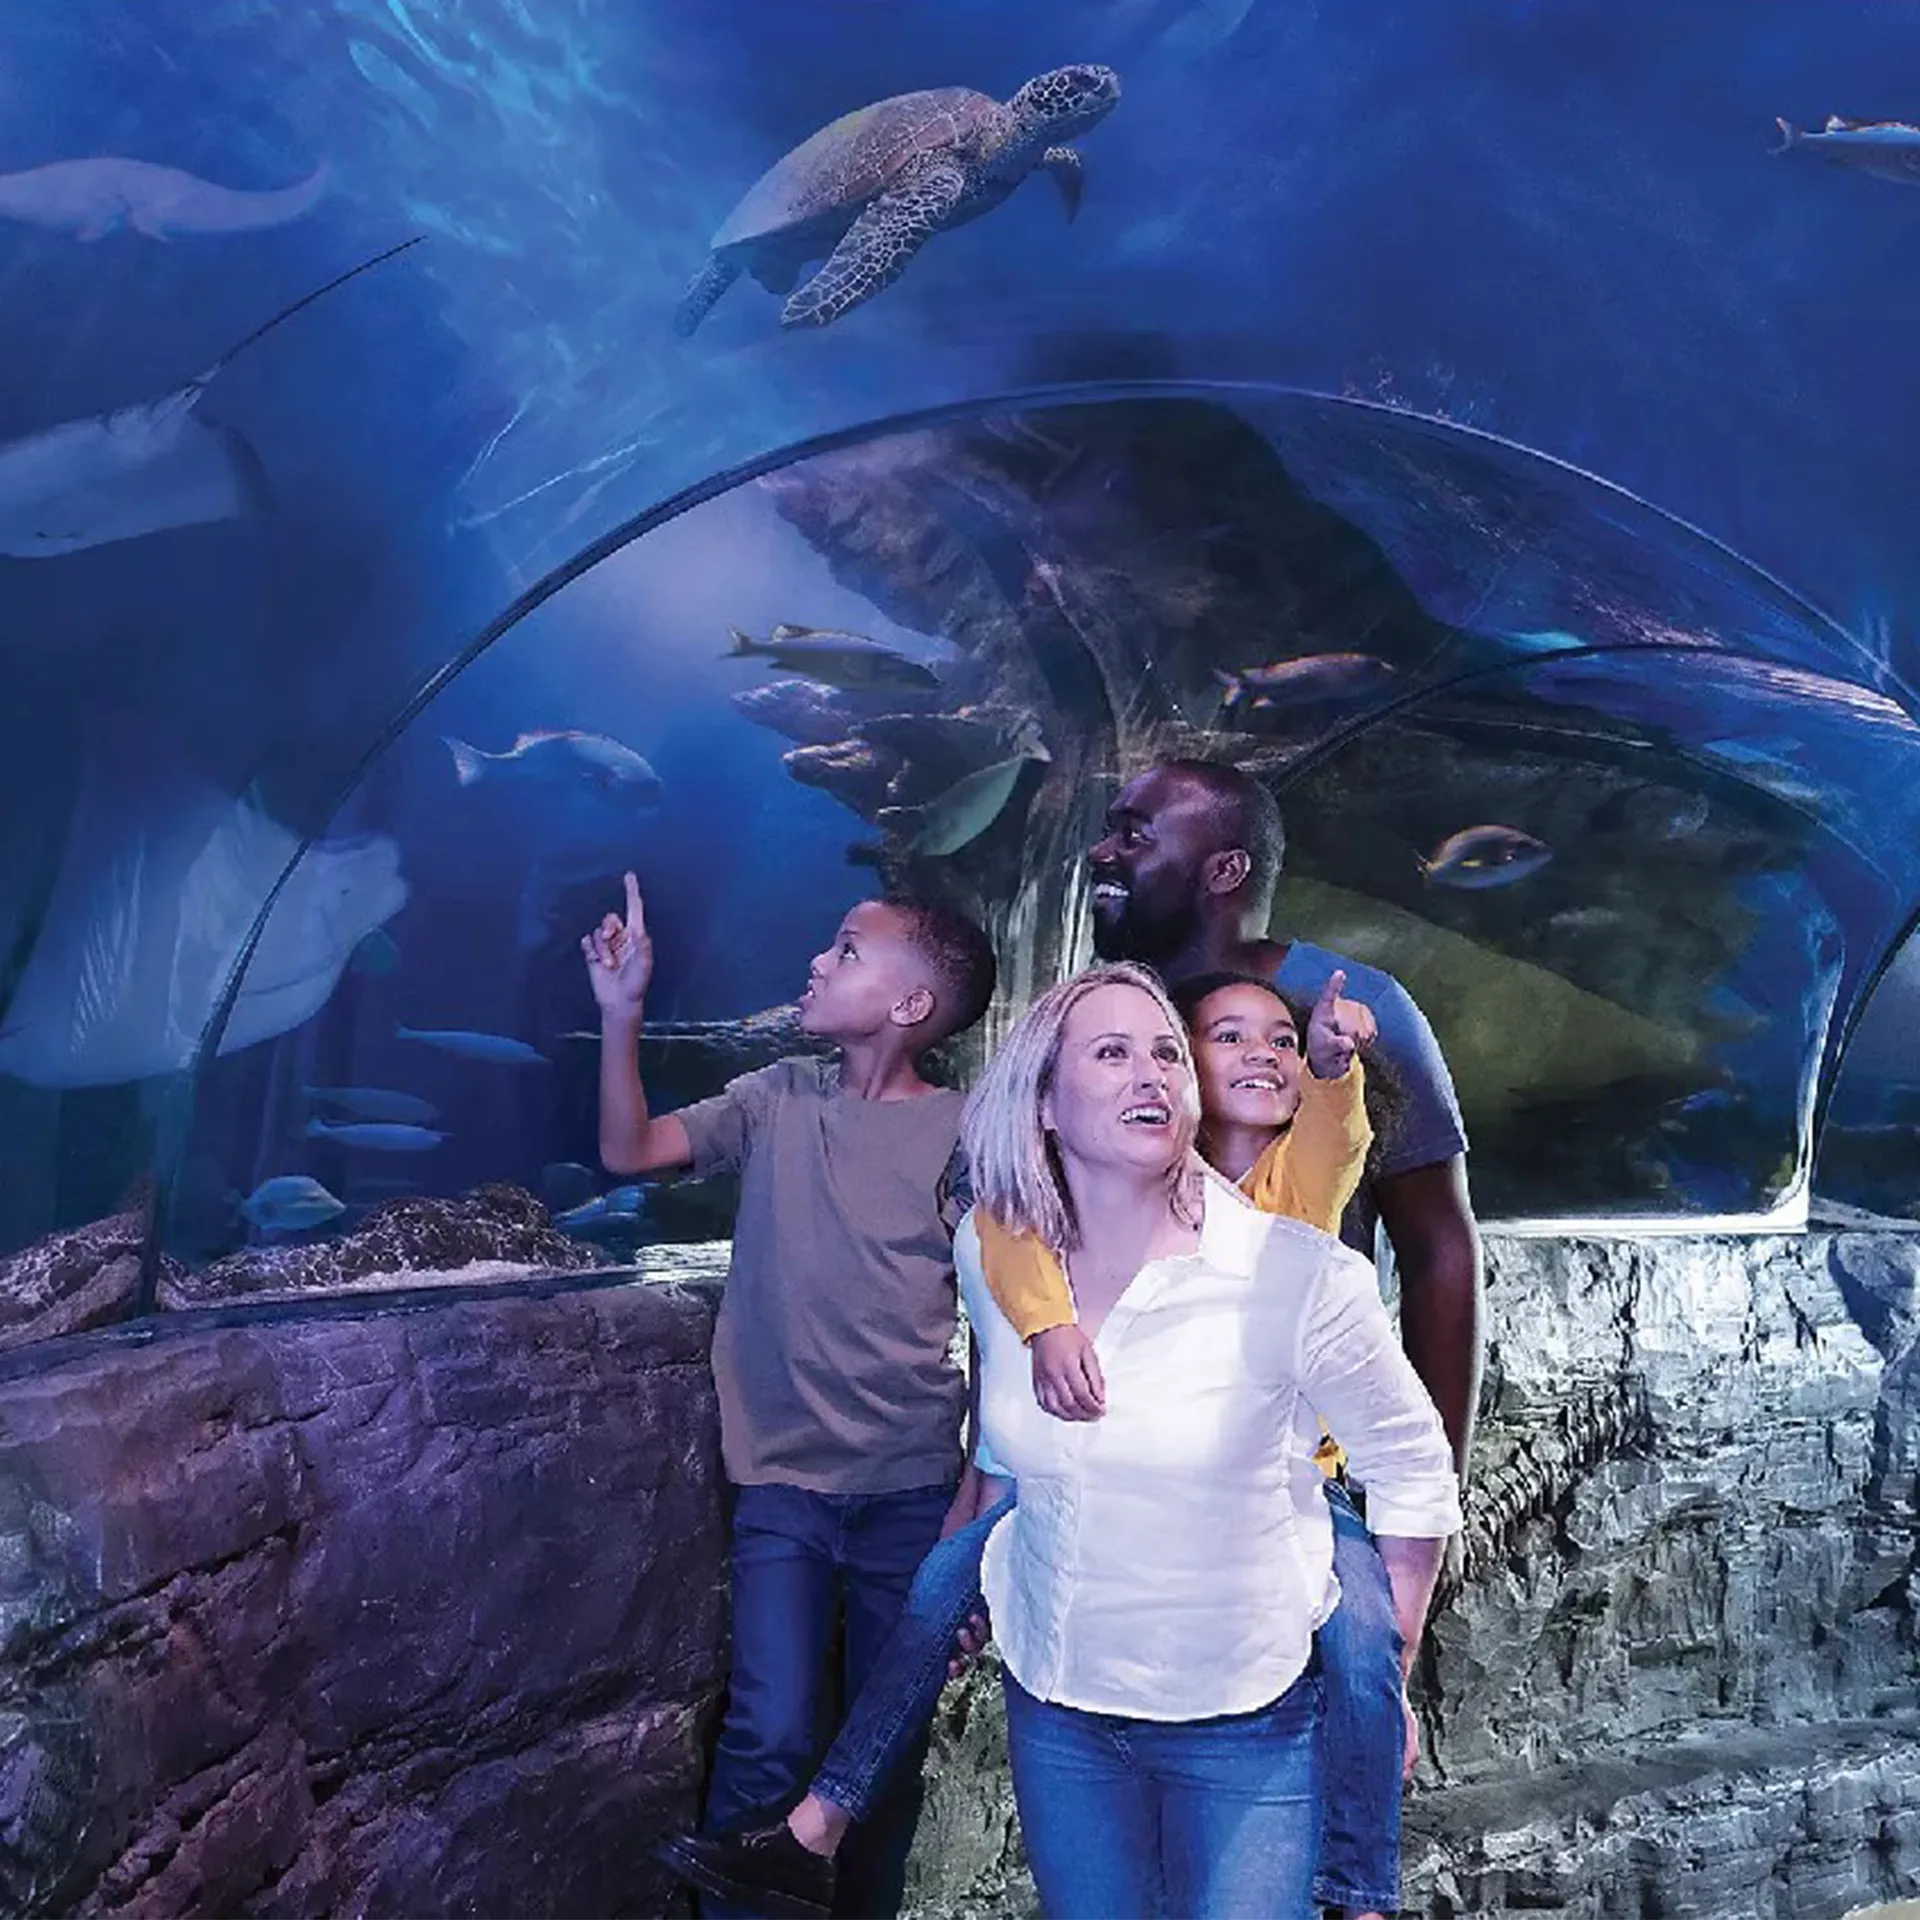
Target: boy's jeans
[798,1558]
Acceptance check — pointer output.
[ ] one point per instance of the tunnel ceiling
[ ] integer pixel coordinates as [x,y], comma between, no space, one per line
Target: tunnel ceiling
[1485,379]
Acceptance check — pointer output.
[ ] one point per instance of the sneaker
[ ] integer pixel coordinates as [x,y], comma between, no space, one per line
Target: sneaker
[764,1868]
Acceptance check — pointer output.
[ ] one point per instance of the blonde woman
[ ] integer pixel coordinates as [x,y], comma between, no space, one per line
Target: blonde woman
[1155,1589]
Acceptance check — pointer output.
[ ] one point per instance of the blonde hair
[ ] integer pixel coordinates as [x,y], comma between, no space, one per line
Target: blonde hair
[1013,1161]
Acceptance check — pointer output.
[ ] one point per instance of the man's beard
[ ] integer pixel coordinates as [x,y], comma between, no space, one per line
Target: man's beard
[1141,932]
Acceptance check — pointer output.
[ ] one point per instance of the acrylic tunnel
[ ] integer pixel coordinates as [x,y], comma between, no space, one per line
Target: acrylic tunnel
[453,455]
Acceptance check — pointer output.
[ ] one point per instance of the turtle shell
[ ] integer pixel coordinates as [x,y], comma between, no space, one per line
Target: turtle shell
[845,165]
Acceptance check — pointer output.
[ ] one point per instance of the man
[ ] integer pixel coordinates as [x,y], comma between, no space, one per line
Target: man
[1183,880]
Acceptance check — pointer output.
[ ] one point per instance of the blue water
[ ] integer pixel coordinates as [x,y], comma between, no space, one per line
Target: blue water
[1557,225]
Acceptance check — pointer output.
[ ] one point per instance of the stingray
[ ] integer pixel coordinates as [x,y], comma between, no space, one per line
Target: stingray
[141,469]
[162,880]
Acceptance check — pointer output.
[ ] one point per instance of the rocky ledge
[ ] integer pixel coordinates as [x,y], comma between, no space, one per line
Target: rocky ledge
[412,1614]
[493,1233]
[85,1277]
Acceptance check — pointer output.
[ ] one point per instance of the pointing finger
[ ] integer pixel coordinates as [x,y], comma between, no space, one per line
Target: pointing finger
[636,915]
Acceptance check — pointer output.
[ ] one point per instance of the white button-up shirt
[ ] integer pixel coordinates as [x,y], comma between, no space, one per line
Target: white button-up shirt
[1171,1560]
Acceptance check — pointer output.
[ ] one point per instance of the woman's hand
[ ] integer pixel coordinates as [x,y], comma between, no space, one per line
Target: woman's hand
[619,958]
[1066,1374]
[1338,1029]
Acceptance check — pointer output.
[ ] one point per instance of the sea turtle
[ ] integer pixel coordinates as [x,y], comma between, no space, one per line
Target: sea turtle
[871,189]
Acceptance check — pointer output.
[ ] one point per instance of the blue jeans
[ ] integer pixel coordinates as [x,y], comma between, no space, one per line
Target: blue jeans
[890,1713]
[1196,1819]
[799,1559]
[1364,1728]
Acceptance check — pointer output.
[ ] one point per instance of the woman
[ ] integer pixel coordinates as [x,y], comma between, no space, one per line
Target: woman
[1155,1590]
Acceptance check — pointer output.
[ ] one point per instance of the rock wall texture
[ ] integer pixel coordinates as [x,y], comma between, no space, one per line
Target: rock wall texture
[409,1614]
[423,1613]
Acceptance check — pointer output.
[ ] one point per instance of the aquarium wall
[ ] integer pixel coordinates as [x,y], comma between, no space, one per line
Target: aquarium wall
[439,478]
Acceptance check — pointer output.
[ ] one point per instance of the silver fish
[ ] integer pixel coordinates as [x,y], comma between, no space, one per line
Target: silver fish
[144,469]
[377,1136]
[1478,857]
[1308,681]
[91,198]
[1887,149]
[969,807]
[833,657]
[375,1103]
[290,1202]
[494,1048]
[567,760]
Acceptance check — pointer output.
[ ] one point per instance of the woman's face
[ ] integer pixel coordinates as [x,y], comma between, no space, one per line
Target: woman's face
[1247,1054]
[1122,1093]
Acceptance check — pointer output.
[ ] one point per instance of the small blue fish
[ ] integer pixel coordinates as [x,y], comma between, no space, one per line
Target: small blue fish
[377,1136]
[494,1048]
[622,1207]
[375,1103]
[290,1202]
[1480,857]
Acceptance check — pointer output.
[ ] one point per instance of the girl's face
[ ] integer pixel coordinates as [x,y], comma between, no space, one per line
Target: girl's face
[1121,1094]
[1246,1052]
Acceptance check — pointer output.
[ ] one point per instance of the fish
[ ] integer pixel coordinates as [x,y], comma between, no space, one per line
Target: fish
[376,955]
[623,1207]
[588,790]
[162,879]
[566,760]
[566,1183]
[381,1136]
[1312,680]
[147,468]
[495,1049]
[969,807]
[1887,149]
[375,1103]
[95,197]
[289,1203]
[861,853]
[1651,812]
[1479,857]
[834,658]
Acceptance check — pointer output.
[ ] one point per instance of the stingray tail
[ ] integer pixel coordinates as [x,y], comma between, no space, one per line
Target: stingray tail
[469,763]
[305,300]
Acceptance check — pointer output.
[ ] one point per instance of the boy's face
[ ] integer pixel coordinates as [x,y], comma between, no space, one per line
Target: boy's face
[869,978]
[1247,1054]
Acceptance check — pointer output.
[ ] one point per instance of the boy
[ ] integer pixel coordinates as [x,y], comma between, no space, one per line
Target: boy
[840,1408]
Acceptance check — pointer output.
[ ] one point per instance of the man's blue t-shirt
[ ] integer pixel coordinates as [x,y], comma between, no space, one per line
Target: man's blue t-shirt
[1429,1128]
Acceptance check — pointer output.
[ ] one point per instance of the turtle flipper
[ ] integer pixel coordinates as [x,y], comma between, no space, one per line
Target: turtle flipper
[1069,175]
[708,285]
[876,248]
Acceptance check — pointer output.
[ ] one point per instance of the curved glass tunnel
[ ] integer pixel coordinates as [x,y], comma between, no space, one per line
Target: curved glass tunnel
[1412,630]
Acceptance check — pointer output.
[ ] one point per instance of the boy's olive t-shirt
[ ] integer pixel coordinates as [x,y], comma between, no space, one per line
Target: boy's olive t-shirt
[832,1348]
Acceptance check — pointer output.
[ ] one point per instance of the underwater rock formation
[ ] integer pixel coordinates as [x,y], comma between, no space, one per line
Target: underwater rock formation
[493,1233]
[84,1277]
[1095,572]
[416,1613]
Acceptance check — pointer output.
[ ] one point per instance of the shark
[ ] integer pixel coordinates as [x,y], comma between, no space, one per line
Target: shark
[1888,149]
[145,468]
[92,198]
